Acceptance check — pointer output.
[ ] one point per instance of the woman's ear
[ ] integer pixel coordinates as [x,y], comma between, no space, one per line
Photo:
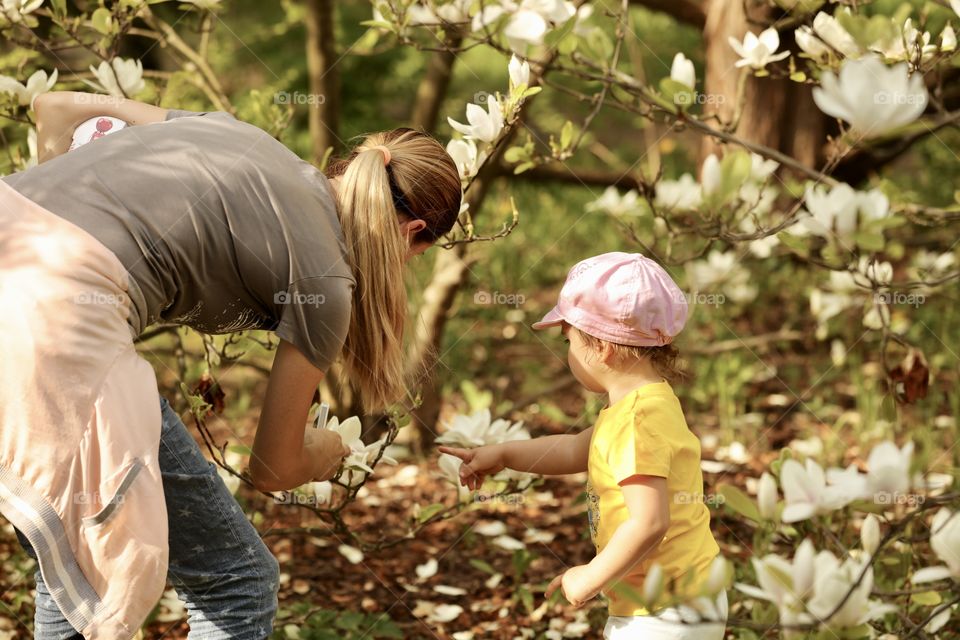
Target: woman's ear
[410,228]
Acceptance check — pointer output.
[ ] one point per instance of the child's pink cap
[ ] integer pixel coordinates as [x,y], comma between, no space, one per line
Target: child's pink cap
[624,298]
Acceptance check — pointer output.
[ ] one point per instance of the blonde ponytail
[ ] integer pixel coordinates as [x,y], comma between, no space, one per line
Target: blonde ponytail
[420,182]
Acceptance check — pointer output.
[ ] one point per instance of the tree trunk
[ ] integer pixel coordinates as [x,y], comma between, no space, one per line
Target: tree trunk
[777,113]
[324,79]
[433,86]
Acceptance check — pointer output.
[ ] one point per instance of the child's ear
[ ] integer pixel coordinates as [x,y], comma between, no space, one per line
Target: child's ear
[606,353]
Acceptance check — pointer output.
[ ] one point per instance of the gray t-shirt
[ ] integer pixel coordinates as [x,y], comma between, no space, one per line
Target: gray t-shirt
[220,226]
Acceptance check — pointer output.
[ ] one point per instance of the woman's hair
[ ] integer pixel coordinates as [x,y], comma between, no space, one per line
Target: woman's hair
[665,360]
[421,182]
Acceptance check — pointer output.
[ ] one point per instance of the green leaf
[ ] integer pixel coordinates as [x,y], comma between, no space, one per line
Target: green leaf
[678,93]
[482,565]
[526,598]
[739,502]
[515,154]
[566,135]
[102,20]
[797,244]
[428,512]
[927,598]
[869,240]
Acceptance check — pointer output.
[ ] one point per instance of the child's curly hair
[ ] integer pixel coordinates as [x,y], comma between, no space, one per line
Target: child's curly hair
[666,359]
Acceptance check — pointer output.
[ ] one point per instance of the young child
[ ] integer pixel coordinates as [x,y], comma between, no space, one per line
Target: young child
[619,312]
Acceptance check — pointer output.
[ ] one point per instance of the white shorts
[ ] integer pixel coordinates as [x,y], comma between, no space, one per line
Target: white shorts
[667,624]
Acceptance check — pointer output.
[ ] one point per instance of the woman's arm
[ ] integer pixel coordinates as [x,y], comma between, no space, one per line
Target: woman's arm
[281,458]
[549,455]
[60,112]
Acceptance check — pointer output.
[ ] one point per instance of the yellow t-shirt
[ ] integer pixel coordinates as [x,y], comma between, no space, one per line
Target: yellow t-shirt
[645,433]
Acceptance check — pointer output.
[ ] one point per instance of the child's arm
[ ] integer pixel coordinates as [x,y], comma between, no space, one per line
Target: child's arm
[58,113]
[648,504]
[549,455]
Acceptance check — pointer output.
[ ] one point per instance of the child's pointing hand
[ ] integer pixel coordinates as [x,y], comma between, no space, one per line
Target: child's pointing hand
[477,463]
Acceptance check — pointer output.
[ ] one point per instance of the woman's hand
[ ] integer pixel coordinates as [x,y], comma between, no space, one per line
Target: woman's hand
[477,463]
[579,585]
[325,451]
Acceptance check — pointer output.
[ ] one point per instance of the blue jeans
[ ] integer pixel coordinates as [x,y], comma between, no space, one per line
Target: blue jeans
[219,566]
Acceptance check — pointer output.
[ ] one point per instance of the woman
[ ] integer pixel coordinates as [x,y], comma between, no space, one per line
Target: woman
[200,219]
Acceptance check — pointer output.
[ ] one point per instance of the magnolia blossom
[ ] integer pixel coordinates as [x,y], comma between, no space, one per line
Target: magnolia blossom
[466,156]
[456,11]
[945,542]
[833,581]
[810,589]
[483,125]
[15,10]
[870,534]
[758,52]
[477,429]
[871,96]
[519,72]
[810,44]
[786,584]
[527,22]
[721,269]
[360,454]
[682,71]
[617,204]
[948,39]
[955,5]
[119,77]
[838,211]
[830,31]
[888,470]
[905,44]
[806,492]
[767,496]
[37,84]
[710,175]
[683,194]
[234,460]
[871,271]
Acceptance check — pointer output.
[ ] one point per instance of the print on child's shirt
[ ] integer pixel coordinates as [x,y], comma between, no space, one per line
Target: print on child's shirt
[593,512]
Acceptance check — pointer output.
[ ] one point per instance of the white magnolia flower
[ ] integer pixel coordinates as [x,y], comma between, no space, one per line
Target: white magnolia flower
[784,583]
[723,270]
[872,97]
[361,455]
[682,194]
[718,577]
[833,581]
[457,11]
[33,159]
[945,542]
[806,492]
[120,77]
[450,468]
[682,71]
[477,429]
[685,193]
[928,263]
[234,460]
[870,534]
[37,84]
[840,210]
[761,168]
[758,52]
[15,10]
[955,5]
[870,271]
[905,44]
[830,31]
[527,22]
[653,585]
[519,72]
[617,204]
[525,28]
[948,39]
[767,496]
[466,156]
[810,44]
[483,125]
[322,491]
[710,175]
[888,469]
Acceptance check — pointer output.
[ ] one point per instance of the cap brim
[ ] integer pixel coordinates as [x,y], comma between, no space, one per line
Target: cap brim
[552,319]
